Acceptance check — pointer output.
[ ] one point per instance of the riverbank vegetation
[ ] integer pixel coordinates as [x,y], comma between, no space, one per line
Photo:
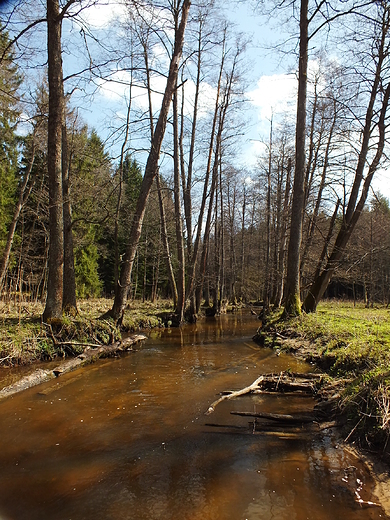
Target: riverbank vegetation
[351,343]
[25,338]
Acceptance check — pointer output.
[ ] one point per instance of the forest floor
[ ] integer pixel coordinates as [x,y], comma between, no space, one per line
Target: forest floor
[351,345]
[24,338]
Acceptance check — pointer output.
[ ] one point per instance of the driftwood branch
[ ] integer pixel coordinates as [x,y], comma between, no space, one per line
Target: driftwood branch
[89,355]
[283,382]
[231,395]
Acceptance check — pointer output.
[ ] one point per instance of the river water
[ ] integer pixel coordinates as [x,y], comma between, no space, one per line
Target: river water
[127,438]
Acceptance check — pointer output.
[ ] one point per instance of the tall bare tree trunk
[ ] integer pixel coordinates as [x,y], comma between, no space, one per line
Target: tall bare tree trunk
[195,252]
[163,220]
[231,206]
[178,220]
[267,274]
[221,243]
[214,183]
[314,216]
[120,189]
[151,168]
[69,303]
[293,300]
[243,237]
[187,183]
[283,237]
[53,308]
[164,236]
[206,235]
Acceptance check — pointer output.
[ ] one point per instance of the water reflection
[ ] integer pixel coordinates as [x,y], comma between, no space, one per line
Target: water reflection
[127,439]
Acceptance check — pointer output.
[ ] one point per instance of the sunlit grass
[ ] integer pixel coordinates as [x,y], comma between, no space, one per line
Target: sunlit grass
[24,338]
[355,336]
[352,343]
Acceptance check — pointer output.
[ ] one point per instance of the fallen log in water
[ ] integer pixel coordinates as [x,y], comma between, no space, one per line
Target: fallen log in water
[88,356]
[92,354]
[283,382]
[285,435]
[280,417]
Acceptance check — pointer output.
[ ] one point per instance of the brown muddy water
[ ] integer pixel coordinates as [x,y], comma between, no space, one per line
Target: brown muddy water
[127,439]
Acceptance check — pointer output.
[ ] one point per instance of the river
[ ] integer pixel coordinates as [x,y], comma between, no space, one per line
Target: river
[128,438]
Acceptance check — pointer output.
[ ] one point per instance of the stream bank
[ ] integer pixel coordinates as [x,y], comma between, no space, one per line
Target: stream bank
[127,437]
[351,345]
[25,339]
[347,376]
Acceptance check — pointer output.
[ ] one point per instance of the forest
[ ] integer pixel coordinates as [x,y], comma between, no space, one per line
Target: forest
[159,206]
[142,188]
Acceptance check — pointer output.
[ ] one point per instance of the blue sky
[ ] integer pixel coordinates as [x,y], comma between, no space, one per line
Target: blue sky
[271,82]
[270,89]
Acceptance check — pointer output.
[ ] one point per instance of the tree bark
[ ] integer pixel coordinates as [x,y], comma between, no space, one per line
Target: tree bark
[164,236]
[163,220]
[151,168]
[267,274]
[69,303]
[188,183]
[53,308]
[293,301]
[178,221]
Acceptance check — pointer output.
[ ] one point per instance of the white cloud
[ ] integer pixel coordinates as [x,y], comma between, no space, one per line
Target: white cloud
[102,13]
[117,89]
[274,95]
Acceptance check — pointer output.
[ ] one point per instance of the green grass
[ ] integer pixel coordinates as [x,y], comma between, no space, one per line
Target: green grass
[352,344]
[355,337]
[24,338]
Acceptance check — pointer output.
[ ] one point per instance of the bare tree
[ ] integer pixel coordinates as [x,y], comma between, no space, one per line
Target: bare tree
[151,168]
[292,298]
[373,135]
[322,14]
[53,308]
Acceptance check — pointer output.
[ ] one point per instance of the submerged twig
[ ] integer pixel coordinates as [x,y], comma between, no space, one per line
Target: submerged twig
[296,419]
